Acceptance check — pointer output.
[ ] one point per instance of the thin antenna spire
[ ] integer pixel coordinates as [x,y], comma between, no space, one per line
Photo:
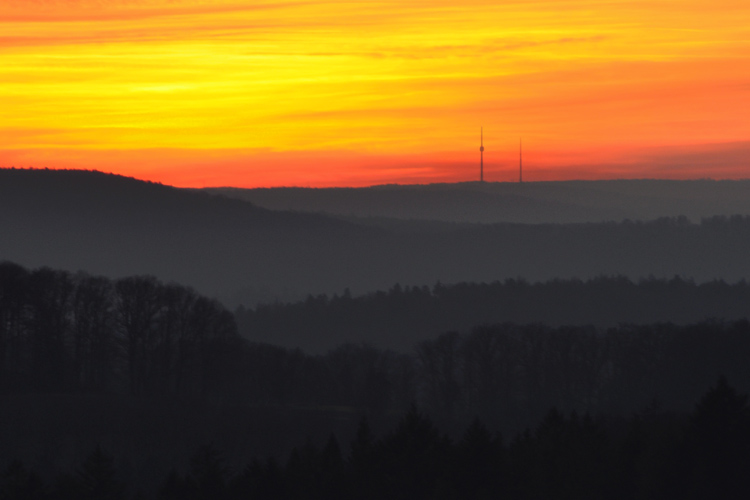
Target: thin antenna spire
[481,154]
[520,161]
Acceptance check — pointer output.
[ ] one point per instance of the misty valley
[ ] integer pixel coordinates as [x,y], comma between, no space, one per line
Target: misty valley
[468,341]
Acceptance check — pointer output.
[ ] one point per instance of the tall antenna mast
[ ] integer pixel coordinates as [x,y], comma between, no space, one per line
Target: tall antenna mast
[481,154]
[520,161]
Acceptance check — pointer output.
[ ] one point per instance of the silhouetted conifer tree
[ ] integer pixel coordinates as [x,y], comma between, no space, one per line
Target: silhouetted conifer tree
[479,463]
[98,478]
[207,479]
[717,447]
[412,457]
[17,483]
[174,487]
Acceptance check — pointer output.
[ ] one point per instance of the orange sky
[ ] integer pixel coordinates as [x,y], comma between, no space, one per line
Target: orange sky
[311,93]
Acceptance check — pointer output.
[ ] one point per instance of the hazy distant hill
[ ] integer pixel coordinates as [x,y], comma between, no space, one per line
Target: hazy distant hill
[116,226]
[403,316]
[531,202]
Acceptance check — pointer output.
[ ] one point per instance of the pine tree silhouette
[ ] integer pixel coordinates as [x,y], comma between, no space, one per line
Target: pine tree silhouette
[98,478]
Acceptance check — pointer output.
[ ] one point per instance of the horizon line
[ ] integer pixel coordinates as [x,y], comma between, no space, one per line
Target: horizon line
[389,184]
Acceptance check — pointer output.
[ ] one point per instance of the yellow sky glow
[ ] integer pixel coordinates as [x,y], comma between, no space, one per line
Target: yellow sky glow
[224,92]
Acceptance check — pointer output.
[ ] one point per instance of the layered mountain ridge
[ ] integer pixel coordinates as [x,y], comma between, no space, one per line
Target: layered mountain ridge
[243,253]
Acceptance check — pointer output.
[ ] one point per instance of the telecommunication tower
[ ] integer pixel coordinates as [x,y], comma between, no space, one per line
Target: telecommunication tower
[481,154]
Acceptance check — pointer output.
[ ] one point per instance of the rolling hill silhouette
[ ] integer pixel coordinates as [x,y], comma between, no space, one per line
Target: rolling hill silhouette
[117,226]
[531,202]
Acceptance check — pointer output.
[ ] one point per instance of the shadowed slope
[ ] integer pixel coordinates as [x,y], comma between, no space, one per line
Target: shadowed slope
[116,226]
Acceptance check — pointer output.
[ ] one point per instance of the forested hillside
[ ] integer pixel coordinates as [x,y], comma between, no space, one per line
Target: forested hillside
[243,254]
[79,333]
[654,454]
[402,316]
[152,371]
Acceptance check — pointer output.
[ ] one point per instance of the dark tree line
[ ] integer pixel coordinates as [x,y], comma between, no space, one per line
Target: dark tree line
[697,455]
[402,316]
[74,332]
[63,334]
[78,333]
[508,374]
[513,374]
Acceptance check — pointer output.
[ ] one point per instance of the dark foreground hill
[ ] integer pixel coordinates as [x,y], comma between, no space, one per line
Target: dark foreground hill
[528,203]
[654,454]
[117,226]
[153,372]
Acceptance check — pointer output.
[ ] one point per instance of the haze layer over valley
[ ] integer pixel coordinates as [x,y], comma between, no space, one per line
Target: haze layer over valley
[242,253]
[528,202]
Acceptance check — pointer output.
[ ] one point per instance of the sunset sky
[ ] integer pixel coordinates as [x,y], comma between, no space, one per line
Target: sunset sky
[343,93]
